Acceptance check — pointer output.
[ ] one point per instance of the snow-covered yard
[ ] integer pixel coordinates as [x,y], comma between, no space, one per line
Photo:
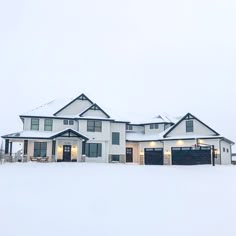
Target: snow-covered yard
[110,200]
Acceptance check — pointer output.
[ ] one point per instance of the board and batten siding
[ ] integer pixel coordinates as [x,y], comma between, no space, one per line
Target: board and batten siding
[58,124]
[75,108]
[199,129]
[118,149]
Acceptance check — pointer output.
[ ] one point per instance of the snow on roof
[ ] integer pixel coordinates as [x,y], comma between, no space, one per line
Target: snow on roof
[134,136]
[38,134]
[49,108]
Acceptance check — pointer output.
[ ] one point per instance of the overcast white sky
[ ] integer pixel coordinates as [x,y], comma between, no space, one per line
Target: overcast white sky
[147,56]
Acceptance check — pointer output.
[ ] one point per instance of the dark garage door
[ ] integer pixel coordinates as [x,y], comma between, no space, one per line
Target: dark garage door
[191,156]
[153,156]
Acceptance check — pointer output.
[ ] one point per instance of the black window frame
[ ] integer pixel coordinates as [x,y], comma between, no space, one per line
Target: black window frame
[34,124]
[115,138]
[71,122]
[154,126]
[48,125]
[94,126]
[90,150]
[189,126]
[115,158]
[129,127]
[40,149]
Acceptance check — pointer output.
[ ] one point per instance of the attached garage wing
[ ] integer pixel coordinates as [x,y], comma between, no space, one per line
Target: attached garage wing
[191,156]
[153,156]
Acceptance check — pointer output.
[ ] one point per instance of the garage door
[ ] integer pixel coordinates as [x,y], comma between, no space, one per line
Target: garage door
[191,156]
[153,156]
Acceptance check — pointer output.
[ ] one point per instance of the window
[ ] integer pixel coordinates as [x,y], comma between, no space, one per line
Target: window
[68,122]
[34,124]
[189,126]
[129,127]
[93,149]
[71,122]
[223,149]
[40,149]
[154,126]
[227,150]
[115,138]
[115,158]
[48,124]
[94,126]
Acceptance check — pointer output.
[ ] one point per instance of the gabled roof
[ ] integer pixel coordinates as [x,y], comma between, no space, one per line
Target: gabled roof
[80,97]
[94,107]
[69,133]
[189,116]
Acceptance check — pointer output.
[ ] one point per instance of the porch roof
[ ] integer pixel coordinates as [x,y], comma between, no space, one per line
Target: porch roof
[67,133]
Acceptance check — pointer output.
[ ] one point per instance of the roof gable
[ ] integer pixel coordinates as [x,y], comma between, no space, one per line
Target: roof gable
[95,111]
[75,106]
[69,133]
[189,116]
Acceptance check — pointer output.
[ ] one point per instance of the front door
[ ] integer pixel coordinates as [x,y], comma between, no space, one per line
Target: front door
[66,152]
[129,154]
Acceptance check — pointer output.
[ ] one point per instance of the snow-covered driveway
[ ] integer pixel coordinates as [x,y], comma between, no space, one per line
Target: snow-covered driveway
[109,200]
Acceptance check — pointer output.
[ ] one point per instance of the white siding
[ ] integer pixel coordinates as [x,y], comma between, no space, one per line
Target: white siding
[58,124]
[94,113]
[225,155]
[199,129]
[138,128]
[75,108]
[118,149]
[161,128]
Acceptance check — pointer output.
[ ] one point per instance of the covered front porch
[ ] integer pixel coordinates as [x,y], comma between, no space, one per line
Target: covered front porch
[64,146]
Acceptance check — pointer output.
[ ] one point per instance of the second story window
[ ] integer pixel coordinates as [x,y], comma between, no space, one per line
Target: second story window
[129,127]
[189,126]
[115,138]
[34,124]
[48,124]
[154,126]
[68,122]
[94,126]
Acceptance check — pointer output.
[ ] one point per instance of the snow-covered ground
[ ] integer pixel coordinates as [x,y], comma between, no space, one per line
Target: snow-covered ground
[84,199]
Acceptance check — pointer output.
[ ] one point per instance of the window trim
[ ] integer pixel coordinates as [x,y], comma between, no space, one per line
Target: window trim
[115,140]
[189,128]
[94,126]
[88,150]
[129,127]
[36,125]
[154,126]
[48,125]
[115,156]
[40,149]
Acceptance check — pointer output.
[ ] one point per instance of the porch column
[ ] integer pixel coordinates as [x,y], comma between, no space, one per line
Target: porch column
[10,148]
[53,150]
[25,152]
[83,147]
[6,146]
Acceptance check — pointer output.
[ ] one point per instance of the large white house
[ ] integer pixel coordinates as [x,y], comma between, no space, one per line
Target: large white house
[79,130]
